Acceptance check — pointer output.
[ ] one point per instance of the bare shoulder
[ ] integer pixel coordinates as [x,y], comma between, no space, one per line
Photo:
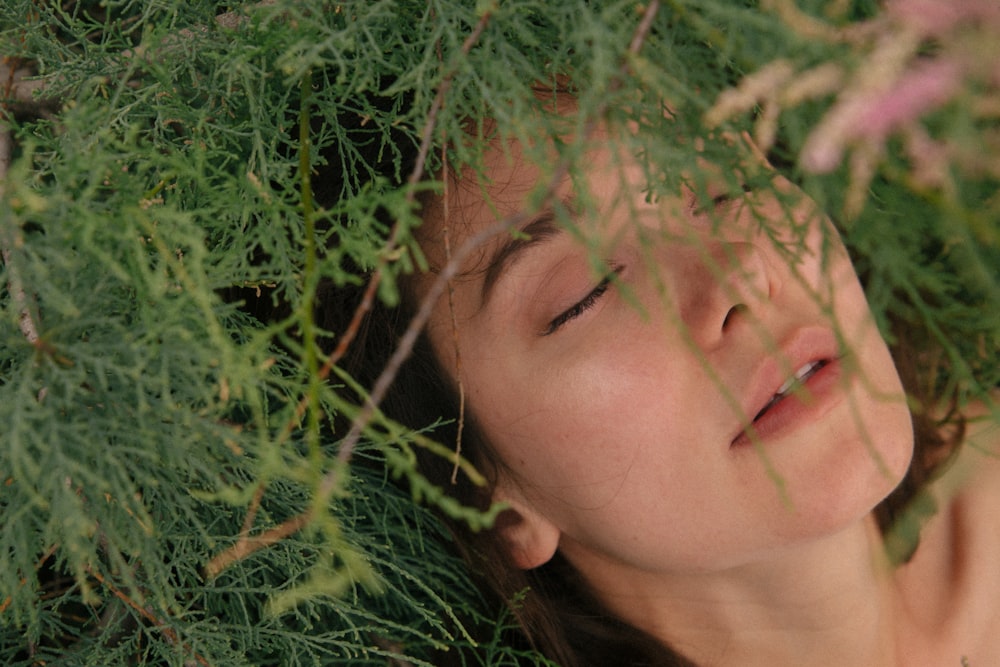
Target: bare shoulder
[967,493]
[974,479]
[963,541]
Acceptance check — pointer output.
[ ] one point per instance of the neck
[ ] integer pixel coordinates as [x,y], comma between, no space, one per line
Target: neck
[830,601]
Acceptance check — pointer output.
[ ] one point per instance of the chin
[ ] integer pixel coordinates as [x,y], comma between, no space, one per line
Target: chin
[865,457]
[879,467]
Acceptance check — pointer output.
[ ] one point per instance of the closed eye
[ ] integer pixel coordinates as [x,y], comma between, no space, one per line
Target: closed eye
[717,202]
[583,305]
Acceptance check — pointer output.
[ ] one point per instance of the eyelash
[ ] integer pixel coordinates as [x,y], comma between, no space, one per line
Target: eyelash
[584,304]
[718,201]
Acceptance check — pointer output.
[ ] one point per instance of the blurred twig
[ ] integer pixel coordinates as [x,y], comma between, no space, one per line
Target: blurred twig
[8,237]
[331,480]
[247,544]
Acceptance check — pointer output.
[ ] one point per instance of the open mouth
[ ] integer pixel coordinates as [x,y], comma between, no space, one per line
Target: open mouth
[792,384]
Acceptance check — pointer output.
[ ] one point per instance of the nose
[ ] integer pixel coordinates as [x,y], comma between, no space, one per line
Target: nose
[723,286]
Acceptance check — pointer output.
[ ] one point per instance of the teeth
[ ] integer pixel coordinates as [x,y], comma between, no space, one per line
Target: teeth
[800,376]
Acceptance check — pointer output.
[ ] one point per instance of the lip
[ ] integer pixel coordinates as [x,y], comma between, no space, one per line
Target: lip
[805,404]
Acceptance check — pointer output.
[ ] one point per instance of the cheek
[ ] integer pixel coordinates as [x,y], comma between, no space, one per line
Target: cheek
[868,465]
[581,425]
[556,420]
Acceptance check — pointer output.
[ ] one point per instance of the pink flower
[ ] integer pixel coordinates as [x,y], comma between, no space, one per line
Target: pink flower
[937,17]
[925,87]
[871,118]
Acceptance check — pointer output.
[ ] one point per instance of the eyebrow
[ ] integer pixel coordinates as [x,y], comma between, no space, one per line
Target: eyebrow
[540,228]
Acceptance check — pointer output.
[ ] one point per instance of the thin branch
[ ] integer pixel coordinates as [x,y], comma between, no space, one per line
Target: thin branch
[441,282]
[392,242]
[168,632]
[416,175]
[455,340]
[246,544]
[385,379]
[8,242]
[409,338]
[641,32]
[25,94]
[21,93]
[251,516]
[404,349]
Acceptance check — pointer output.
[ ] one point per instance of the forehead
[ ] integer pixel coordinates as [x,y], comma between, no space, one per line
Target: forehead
[516,183]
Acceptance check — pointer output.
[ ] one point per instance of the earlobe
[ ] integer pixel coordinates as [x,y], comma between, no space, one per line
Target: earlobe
[531,539]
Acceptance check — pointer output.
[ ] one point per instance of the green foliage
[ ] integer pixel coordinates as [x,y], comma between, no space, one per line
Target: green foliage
[167,170]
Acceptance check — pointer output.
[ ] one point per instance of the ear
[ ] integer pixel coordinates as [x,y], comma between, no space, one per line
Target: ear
[531,539]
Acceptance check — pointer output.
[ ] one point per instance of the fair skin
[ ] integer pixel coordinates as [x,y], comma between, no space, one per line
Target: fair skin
[618,401]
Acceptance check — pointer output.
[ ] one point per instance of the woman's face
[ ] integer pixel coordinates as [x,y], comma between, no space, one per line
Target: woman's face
[615,370]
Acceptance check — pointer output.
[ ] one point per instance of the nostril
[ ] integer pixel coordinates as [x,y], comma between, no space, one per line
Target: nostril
[731,315]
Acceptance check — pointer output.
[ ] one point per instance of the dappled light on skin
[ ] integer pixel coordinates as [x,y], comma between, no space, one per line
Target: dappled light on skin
[687,403]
